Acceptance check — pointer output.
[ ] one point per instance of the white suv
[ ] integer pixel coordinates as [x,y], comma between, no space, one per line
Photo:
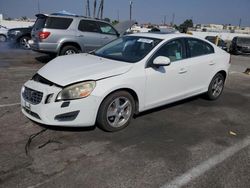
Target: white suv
[129,75]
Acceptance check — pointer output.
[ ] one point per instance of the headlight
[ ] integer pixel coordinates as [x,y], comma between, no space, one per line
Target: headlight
[77,91]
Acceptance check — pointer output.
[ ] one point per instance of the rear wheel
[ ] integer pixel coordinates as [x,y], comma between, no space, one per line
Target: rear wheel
[68,50]
[116,111]
[3,38]
[215,87]
[23,42]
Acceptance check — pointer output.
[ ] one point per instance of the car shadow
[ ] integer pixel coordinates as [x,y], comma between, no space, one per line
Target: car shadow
[68,129]
[44,58]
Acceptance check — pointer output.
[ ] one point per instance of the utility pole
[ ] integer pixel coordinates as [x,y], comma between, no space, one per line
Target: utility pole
[118,15]
[240,23]
[165,18]
[38,6]
[173,18]
[94,9]
[130,10]
[102,9]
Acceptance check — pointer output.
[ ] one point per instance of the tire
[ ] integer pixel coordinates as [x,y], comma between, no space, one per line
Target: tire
[69,50]
[116,111]
[216,87]
[3,38]
[23,42]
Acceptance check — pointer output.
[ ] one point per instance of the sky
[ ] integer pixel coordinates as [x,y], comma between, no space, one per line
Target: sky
[144,11]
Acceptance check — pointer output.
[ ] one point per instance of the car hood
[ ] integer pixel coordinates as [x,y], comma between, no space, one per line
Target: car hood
[122,27]
[65,70]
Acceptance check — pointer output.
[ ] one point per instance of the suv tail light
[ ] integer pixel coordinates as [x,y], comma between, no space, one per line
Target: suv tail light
[43,34]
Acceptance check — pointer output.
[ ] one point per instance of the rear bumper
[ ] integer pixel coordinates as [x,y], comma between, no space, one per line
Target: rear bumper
[44,47]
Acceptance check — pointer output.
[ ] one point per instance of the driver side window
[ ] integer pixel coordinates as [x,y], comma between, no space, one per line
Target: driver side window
[174,50]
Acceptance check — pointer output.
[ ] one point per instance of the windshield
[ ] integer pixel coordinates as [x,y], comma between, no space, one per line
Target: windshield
[129,48]
[243,41]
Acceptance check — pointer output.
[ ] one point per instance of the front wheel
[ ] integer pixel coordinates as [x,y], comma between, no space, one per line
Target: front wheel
[215,87]
[23,42]
[3,38]
[116,111]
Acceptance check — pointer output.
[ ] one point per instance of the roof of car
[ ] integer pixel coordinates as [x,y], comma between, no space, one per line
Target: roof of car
[69,16]
[162,36]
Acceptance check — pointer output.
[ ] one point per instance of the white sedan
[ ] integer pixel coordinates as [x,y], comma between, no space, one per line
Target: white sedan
[127,76]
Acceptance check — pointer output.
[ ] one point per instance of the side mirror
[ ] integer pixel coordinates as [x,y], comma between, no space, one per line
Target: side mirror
[161,61]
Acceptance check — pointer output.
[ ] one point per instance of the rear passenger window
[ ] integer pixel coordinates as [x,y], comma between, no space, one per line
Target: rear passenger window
[199,47]
[88,26]
[107,29]
[58,23]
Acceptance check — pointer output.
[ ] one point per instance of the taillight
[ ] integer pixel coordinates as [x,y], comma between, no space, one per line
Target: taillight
[43,34]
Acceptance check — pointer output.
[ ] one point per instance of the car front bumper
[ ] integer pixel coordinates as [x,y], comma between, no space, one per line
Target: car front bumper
[72,113]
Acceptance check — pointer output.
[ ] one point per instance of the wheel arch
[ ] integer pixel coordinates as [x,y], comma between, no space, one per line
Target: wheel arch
[69,43]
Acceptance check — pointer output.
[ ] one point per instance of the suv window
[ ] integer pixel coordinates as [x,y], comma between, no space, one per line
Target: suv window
[58,23]
[198,47]
[88,26]
[107,29]
[174,50]
[40,22]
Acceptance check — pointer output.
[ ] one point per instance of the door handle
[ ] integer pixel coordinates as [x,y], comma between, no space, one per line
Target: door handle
[80,35]
[182,71]
[211,63]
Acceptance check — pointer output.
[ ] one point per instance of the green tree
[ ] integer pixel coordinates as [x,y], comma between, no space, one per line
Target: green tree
[185,25]
[114,22]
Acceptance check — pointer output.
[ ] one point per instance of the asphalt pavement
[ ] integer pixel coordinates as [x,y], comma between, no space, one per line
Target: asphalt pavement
[194,143]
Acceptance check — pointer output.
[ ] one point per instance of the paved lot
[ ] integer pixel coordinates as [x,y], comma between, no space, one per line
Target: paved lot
[185,144]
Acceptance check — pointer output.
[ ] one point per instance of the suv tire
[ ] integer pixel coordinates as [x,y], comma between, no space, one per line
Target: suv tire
[23,42]
[68,50]
[116,111]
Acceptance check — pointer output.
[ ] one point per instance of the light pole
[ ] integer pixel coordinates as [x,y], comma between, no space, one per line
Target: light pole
[38,6]
[130,10]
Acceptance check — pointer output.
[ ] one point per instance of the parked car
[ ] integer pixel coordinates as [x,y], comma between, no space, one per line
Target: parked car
[221,43]
[20,37]
[3,33]
[240,45]
[65,34]
[131,74]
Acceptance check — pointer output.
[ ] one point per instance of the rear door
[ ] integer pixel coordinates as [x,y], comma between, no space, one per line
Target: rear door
[200,65]
[89,34]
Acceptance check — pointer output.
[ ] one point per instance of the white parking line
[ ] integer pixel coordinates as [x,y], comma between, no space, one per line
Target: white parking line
[7,105]
[197,171]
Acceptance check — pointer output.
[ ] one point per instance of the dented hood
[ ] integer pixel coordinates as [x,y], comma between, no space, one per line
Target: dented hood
[65,70]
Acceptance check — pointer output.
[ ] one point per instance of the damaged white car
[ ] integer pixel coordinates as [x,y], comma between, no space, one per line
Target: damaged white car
[132,74]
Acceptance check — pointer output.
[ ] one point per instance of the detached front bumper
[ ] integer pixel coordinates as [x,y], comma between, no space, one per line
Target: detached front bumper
[38,104]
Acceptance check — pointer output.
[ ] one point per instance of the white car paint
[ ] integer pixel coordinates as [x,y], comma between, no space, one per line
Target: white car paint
[153,87]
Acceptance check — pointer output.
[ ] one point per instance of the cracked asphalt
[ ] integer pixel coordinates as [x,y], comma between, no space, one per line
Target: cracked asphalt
[158,147]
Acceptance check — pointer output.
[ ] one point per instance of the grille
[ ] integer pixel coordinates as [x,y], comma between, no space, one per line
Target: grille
[32,96]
